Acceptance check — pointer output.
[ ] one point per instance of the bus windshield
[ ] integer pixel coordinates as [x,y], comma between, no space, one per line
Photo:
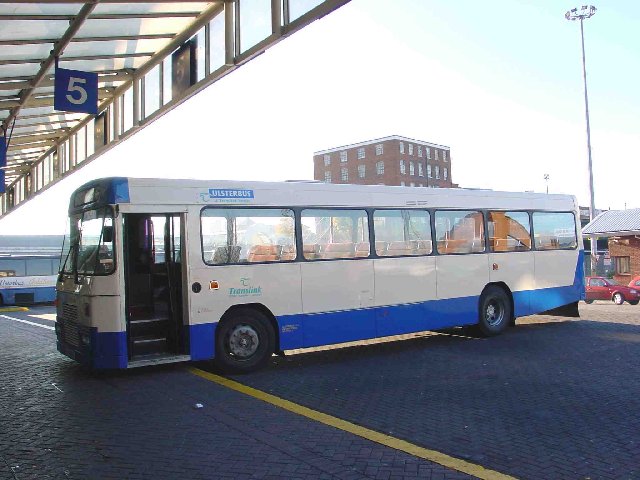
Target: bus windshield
[88,248]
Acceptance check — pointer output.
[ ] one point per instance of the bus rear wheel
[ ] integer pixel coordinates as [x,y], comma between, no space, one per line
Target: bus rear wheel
[245,341]
[495,311]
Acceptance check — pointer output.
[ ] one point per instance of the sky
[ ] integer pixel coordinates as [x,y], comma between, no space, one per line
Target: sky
[499,82]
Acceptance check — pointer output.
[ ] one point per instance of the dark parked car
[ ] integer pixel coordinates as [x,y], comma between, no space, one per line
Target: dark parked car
[600,288]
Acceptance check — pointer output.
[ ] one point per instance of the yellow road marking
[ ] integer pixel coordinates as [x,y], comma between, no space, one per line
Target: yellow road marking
[14,309]
[386,440]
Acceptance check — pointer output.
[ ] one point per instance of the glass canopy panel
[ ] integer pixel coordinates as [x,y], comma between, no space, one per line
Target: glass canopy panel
[82,49]
[32,29]
[23,52]
[297,8]
[140,7]
[132,26]
[255,22]
[23,70]
[40,9]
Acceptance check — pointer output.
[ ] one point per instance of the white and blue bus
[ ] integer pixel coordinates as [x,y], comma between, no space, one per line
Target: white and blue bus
[162,270]
[28,279]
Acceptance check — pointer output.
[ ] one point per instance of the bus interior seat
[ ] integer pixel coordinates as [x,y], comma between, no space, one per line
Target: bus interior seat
[381,248]
[399,248]
[422,247]
[288,252]
[310,251]
[338,250]
[264,253]
[226,254]
[362,249]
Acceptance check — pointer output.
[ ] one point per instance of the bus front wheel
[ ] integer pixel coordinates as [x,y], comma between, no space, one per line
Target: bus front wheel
[244,341]
[495,311]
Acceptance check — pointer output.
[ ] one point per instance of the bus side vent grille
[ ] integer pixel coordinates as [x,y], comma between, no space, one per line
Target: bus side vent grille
[71,335]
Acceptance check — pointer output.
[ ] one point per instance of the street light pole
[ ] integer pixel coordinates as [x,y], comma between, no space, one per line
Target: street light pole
[587,11]
[546,181]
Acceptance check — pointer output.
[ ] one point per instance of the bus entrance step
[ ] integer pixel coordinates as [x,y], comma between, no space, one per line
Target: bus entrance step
[148,344]
[148,326]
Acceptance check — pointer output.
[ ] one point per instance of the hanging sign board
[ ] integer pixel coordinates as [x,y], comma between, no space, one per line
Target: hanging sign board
[76,91]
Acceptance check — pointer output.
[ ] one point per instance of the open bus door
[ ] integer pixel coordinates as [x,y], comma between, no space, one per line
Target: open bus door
[153,285]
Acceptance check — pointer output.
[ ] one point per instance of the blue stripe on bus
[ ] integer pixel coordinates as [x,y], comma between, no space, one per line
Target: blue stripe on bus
[40,294]
[309,330]
[105,350]
[109,349]
[201,340]
[118,190]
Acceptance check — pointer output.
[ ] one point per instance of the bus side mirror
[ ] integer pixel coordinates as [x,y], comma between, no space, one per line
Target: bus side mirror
[107,234]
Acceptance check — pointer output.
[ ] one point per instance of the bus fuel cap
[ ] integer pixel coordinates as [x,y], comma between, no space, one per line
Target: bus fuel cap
[196,287]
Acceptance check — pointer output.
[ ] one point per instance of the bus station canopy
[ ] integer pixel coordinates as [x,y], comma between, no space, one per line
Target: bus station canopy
[129,45]
[614,223]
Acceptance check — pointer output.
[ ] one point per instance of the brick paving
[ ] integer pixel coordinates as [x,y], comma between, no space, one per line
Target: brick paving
[58,421]
[550,399]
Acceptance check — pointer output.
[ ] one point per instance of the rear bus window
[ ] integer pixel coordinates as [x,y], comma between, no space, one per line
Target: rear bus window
[459,231]
[402,232]
[245,235]
[509,231]
[334,234]
[554,230]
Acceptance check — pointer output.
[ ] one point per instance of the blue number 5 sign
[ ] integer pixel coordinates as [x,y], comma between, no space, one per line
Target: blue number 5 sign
[76,91]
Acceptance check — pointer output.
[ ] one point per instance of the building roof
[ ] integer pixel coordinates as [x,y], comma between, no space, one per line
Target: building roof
[615,223]
[379,140]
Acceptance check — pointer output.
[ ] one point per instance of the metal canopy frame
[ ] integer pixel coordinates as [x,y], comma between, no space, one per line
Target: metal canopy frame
[129,45]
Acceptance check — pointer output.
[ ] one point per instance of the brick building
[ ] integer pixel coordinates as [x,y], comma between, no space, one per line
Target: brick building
[622,228]
[390,160]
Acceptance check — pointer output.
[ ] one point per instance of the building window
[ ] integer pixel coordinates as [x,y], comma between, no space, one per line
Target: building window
[379,149]
[413,184]
[380,168]
[361,171]
[623,265]
[344,174]
[401,147]
[437,172]
[402,183]
[327,177]
[412,168]
[445,173]
[436,153]
[403,168]
[420,170]
[429,171]
[420,151]
[411,149]
[444,155]
[360,153]
[428,152]
[327,160]
[343,156]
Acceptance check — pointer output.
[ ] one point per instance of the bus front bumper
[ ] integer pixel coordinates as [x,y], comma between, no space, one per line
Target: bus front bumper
[85,345]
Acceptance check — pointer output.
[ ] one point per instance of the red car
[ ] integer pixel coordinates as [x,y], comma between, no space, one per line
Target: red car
[600,288]
[635,283]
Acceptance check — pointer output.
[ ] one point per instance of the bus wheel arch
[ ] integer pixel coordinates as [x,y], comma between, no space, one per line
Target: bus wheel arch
[495,309]
[245,338]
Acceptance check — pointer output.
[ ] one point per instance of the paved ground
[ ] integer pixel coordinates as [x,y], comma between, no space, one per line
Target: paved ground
[551,399]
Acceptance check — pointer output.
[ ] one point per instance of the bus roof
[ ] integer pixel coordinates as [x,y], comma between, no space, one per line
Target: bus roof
[164,191]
